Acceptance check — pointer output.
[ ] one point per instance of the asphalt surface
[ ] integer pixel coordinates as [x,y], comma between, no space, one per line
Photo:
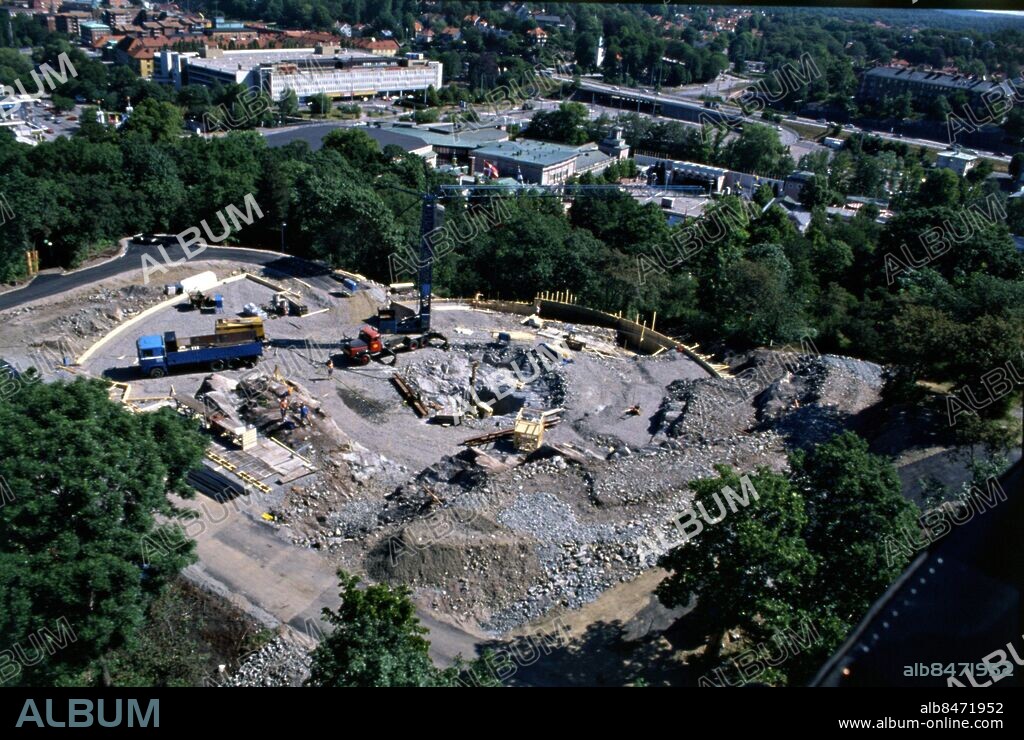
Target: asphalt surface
[51,284]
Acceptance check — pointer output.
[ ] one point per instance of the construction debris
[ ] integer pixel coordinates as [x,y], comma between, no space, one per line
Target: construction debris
[411,397]
[490,524]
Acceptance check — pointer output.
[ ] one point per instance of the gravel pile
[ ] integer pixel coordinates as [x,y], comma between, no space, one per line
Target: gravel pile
[586,527]
[805,398]
[816,399]
[505,378]
[281,662]
[705,409]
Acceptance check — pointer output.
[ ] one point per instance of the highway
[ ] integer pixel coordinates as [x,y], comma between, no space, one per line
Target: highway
[652,98]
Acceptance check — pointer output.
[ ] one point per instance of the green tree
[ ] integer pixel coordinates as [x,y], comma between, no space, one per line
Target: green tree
[567,125]
[764,195]
[79,540]
[357,147]
[288,105]
[377,641]
[856,510]
[758,150]
[816,193]
[156,120]
[320,104]
[749,567]
[1016,168]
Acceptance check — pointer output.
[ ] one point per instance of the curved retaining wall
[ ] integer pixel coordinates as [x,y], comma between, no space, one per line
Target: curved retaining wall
[629,334]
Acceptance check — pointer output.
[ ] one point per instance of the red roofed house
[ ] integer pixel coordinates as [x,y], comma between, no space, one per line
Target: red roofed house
[377,47]
[451,33]
[140,53]
[537,35]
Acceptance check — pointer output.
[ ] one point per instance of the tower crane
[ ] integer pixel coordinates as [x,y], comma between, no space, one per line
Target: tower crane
[432,215]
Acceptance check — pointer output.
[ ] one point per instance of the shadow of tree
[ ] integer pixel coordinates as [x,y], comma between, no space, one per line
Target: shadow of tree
[602,656]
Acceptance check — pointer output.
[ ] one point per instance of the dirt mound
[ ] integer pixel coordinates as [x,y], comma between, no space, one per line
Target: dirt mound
[456,551]
[804,398]
[818,398]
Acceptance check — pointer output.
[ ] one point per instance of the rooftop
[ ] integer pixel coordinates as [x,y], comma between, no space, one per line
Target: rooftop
[700,169]
[378,44]
[958,82]
[541,153]
[313,134]
[447,135]
[965,154]
[590,158]
[232,60]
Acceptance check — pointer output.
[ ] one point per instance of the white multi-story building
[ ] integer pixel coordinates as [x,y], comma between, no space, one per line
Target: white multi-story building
[961,161]
[329,70]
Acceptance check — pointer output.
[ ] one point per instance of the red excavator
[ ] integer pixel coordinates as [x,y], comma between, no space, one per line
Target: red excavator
[369,345]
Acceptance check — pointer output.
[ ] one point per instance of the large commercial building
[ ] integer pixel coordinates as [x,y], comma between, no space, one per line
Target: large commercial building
[451,145]
[335,72]
[925,87]
[544,163]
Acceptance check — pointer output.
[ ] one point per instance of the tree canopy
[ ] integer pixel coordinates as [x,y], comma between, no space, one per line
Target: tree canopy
[806,545]
[79,539]
[376,641]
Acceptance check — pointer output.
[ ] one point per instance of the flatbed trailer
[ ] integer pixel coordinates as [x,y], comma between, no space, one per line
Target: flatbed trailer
[159,355]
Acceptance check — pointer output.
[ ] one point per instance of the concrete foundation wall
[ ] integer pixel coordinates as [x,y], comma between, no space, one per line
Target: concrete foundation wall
[628,333]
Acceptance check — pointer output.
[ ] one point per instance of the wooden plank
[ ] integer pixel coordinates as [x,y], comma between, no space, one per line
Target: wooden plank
[410,396]
[291,452]
[486,438]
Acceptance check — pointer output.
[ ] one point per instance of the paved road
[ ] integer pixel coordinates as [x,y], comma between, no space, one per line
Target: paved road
[667,97]
[51,284]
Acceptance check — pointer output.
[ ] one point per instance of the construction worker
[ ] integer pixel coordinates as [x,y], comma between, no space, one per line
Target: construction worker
[330,368]
[284,408]
[303,414]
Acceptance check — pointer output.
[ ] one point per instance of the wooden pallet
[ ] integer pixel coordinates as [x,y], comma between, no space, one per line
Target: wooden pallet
[487,438]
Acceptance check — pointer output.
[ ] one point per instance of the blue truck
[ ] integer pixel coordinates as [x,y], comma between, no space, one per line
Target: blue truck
[159,355]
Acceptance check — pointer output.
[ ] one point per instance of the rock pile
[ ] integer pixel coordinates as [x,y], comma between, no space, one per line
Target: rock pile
[281,662]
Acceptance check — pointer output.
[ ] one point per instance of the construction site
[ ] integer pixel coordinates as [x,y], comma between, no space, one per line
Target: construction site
[510,462]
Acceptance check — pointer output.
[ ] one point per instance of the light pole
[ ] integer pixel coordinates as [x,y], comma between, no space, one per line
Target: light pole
[284,226]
